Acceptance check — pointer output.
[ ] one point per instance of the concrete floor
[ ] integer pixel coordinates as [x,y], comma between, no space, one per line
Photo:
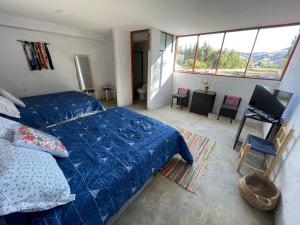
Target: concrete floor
[163,202]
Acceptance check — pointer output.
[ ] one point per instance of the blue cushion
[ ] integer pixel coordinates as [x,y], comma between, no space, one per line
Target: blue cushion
[261,145]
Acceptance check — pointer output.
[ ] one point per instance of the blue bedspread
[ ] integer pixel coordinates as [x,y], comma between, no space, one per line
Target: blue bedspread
[112,155]
[44,110]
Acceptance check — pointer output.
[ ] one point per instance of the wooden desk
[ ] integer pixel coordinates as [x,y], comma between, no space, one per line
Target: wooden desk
[249,114]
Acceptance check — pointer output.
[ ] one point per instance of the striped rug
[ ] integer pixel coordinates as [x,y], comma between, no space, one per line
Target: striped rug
[185,175]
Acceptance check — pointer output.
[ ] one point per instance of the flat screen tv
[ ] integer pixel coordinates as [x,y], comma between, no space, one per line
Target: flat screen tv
[270,101]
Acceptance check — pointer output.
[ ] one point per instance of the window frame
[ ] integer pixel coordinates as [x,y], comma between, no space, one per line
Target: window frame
[219,55]
[196,50]
[166,39]
[221,49]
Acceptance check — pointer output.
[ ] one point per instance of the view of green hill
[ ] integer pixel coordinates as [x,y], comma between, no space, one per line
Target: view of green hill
[270,58]
[230,59]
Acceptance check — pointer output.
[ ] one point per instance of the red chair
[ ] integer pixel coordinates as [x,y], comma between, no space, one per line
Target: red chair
[230,107]
[182,97]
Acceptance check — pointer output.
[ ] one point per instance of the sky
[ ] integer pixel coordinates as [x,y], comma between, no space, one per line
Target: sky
[269,40]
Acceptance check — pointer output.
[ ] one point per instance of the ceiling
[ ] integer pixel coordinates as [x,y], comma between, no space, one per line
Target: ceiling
[173,16]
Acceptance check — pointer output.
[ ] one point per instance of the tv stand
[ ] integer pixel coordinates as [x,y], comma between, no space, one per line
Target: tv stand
[252,113]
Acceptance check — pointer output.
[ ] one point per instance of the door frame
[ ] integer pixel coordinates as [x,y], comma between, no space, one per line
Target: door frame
[132,42]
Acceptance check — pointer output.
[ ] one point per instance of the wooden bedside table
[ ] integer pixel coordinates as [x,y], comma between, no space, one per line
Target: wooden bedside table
[203,102]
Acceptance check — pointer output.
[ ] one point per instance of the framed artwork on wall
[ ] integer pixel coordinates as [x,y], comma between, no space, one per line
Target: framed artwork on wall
[37,55]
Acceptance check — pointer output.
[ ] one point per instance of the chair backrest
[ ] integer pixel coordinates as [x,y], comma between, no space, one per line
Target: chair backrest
[282,138]
[232,101]
[184,91]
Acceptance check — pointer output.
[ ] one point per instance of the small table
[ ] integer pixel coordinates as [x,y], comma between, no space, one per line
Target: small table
[250,114]
[108,90]
[89,92]
[203,102]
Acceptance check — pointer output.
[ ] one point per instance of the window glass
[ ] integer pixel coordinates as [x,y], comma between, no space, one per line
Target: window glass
[236,52]
[140,36]
[271,52]
[163,37]
[209,47]
[169,42]
[264,51]
[185,53]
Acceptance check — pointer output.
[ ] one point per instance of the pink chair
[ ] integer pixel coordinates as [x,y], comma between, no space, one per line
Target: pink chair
[182,97]
[230,107]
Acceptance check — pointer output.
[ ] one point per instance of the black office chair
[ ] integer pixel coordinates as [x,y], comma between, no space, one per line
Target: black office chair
[182,97]
[230,107]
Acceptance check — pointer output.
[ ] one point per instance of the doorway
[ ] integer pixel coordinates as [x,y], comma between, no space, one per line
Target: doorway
[139,68]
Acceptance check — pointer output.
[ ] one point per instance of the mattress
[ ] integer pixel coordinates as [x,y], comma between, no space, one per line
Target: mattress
[49,109]
[113,153]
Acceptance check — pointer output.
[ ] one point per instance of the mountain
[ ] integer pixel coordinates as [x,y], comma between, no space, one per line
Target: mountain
[269,57]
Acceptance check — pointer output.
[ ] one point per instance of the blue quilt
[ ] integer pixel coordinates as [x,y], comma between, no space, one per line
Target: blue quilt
[45,110]
[112,155]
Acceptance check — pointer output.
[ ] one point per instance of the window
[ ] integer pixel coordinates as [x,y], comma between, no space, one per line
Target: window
[235,53]
[166,42]
[185,54]
[271,52]
[169,42]
[254,53]
[209,47]
[163,37]
[140,35]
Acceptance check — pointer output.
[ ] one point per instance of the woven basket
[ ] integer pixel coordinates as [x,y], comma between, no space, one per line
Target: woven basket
[259,191]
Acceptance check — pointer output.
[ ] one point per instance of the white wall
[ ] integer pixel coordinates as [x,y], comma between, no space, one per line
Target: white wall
[47,27]
[240,87]
[160,73]
[122,60]
[16,77]
[287,172]
[109,59]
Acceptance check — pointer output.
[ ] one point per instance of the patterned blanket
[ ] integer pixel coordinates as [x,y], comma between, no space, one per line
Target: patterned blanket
[112,155]
[45,110]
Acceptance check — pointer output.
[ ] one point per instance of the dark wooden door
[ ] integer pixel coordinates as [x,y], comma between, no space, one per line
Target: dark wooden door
[138,71]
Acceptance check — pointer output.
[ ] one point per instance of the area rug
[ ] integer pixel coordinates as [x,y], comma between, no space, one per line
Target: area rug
[188,176]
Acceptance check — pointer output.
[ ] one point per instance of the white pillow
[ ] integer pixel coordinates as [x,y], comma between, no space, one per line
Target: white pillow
[12,98]
[6,134]
[7,128]
[7,123]
[30,180]
[8,108]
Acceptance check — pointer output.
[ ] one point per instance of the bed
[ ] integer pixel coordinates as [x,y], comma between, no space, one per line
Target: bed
[113,153]
[49,109]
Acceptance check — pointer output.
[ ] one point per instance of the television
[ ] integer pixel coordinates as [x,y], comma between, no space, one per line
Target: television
[270,101]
